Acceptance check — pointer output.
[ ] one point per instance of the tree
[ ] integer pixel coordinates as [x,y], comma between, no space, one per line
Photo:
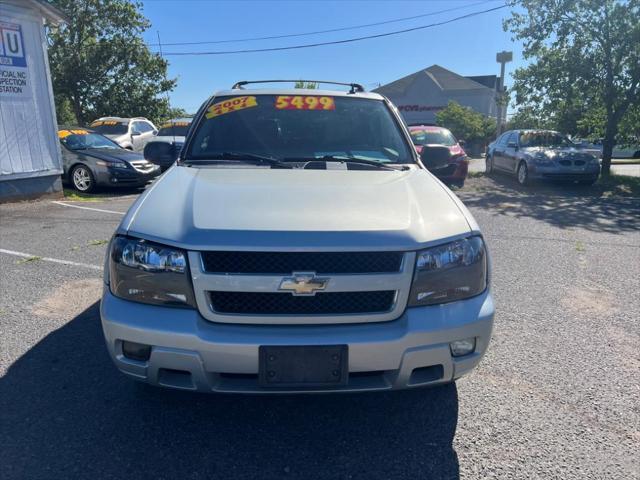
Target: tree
[467,124]
[585,55]
[101,66]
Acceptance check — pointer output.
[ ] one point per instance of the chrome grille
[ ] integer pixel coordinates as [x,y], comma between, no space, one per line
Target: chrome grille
[247,287]
[142,166]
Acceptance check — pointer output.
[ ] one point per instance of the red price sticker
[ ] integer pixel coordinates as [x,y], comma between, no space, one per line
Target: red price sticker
[304,102]
[231,105]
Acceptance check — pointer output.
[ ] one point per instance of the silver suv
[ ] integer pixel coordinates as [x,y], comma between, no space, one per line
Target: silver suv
[299,245]
[131,133]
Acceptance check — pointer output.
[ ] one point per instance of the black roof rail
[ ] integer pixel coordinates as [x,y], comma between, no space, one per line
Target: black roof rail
[355,87]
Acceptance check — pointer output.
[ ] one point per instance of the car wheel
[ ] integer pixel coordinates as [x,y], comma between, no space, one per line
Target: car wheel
[523,174]
[488,165]
[82,179]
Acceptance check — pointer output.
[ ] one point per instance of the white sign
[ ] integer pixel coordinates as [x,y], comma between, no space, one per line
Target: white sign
[14,74]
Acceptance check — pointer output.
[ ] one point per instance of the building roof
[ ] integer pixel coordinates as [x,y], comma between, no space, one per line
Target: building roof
[443,78]
[53,15]
[489,81]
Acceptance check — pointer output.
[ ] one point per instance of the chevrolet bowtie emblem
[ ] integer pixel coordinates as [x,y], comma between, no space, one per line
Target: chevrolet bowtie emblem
[303,283]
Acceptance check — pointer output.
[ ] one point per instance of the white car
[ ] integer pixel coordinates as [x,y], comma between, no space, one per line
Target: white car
[298,245]
[129,133]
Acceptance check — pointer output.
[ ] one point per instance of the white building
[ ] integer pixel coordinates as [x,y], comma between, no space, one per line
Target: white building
[422,94]
[30,161]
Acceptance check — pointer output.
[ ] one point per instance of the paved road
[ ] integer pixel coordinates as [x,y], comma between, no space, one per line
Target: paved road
[556,397]
[478,165]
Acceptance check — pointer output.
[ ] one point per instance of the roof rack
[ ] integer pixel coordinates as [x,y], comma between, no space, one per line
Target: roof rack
[355,87]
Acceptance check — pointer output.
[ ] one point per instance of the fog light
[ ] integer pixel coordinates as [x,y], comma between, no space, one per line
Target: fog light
[463,347]
[136,351]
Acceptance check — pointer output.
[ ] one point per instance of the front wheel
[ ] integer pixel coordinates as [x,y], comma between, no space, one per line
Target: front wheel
[82,179]
[523,174]
[488,165]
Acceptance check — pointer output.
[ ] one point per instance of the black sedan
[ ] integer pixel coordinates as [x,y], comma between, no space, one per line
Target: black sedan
[91,160]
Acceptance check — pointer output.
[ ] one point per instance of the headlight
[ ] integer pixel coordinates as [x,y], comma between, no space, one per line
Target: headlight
[543,160]
[149,273]
[116,164]
[450,272]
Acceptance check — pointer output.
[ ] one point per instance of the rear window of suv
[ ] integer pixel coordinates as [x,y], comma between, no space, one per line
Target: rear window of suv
[288,127]
[110,127]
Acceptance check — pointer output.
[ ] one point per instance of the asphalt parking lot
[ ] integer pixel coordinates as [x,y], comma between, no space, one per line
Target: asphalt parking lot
[557,396]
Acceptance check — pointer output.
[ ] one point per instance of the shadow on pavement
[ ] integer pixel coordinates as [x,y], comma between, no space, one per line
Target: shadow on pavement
[563,205]
[66,412]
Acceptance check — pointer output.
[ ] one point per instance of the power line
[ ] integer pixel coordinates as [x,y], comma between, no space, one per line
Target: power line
[354,27]
[337,42]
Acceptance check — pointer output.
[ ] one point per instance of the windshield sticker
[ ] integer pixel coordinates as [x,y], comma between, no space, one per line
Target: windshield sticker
[65,133]
[304,102]
[231,105]
[176,124]
[103,122]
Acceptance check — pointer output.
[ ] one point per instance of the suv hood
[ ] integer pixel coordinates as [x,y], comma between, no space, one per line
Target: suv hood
[260,208]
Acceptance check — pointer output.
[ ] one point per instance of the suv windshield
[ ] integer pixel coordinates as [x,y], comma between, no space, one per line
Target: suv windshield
[299,127]
[544,139]
[432,137]
[82,139]
[110,128]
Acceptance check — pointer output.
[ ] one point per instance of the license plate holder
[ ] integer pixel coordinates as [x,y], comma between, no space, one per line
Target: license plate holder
[309,366]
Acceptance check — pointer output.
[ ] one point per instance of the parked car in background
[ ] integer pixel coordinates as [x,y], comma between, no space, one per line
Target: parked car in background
[454,171]
[173,131]
[541,155]
[298,245]
[129,133]
[91,160]
[620,150]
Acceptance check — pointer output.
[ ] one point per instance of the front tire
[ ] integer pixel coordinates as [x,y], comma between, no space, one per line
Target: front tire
[82,179]
[488,161]
[523,174]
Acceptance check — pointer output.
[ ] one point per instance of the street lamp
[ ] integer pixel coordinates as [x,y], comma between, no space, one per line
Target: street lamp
[502,58]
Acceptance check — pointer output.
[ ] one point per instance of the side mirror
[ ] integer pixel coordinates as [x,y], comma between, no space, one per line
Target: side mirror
[155,132]
[435,157]
[461,143]
[161,153]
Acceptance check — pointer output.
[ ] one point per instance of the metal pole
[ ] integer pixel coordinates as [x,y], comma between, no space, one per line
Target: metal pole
[502,58]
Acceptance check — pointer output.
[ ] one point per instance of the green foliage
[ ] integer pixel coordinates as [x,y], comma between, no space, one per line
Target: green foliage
[467,124]
[584,70]
[101,66]
[64,111]
[308,85]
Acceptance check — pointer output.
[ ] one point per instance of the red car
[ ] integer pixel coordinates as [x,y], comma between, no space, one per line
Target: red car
[455,172]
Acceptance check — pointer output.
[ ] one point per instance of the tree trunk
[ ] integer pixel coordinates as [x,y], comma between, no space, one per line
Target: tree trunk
[77,110]
[608,143]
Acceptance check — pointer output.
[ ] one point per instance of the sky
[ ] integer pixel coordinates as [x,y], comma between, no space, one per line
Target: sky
[467,46]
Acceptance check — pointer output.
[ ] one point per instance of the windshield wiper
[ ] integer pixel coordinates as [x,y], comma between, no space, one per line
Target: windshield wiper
[243,156]
[345,159]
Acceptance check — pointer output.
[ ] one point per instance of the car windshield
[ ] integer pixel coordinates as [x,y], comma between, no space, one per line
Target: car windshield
[300,127]
[432,137]
[544,139]
[83,139]
[109,127]
[178,129]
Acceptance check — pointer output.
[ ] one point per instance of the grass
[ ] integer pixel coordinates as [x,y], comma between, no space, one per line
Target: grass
[33,258]
[75,196]
[619,185]
[96,243]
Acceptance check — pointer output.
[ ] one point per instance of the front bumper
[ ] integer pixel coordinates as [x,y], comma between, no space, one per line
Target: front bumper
[565,173]
[456,171]
[125,177]
[192,353]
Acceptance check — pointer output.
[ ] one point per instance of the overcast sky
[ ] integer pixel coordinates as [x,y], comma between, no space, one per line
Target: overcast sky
[467,46]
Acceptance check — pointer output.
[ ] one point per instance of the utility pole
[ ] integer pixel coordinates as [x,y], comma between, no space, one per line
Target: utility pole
[502,58]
